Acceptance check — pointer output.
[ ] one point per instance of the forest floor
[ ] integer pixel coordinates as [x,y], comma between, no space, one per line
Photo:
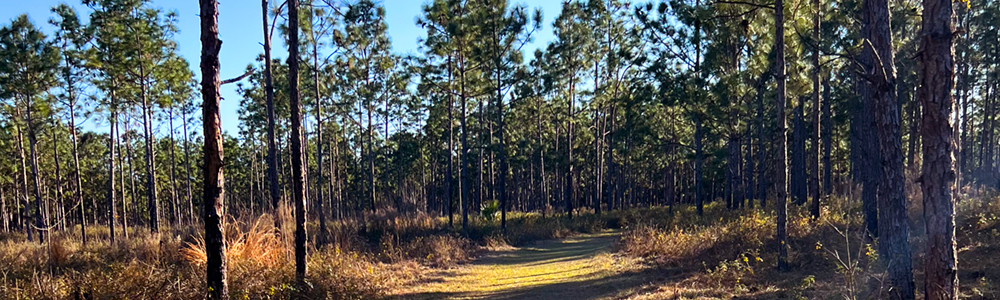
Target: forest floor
[579,268]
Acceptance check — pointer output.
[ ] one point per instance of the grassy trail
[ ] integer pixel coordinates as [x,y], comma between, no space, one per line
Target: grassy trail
[576,268]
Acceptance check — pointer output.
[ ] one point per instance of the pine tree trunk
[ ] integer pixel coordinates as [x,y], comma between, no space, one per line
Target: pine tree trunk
[187,166]
[893,226]
[450,178]
[814,159]
[40,225]
[827,124]
[464,160]
[321,240]
[272,148]
[175,215]
[112,137]
[147,128]
[58,178]
[799,175]
[698,158]
[213,172]
[570,191]
[937,75]
[298,176]
[865,155]
[78,187]
[781,182]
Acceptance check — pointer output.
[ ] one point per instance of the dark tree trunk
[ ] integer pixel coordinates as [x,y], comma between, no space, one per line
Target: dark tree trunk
[449,176]
[865,155]
[272,148]
[147,128]
[814,155]
[298,177]
[464,160]
[937,75]
[699,202]
[175,215]
[781,177]
[893,225]
[187,165]
[321,240]
[214,180]
[826,121]
[570,190]
[61,210]
[112,137]
[799,175]
[40,225]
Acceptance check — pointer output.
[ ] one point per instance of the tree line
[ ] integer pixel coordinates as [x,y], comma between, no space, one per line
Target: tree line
[686,102]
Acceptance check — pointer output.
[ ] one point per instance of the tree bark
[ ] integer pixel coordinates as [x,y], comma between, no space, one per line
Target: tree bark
[814,159]
[321,240]
[893,225]
[272,148]
[698,158]
[187,165]
[799,175]
[147,128]
[937,74]
[213,172]
[175,215]
[40,225]
[112,137]
[826,121]
[78,187]
[298,177]
[781,177]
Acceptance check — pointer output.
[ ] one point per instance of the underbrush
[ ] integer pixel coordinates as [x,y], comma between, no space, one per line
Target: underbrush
[727,253]
[356,259]
[163,266]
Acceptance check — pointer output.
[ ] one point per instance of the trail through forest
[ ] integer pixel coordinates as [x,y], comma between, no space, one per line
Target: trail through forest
[578,268]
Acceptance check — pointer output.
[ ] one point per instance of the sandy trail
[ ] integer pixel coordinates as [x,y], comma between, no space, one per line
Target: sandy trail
[576,268]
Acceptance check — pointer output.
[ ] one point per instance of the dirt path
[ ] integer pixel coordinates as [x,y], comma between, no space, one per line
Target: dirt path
[577,268]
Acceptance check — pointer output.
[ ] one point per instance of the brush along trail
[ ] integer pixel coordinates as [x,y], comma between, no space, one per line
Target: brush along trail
[576,268]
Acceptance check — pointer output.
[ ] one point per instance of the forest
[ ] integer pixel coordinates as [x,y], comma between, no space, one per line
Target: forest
[681,149]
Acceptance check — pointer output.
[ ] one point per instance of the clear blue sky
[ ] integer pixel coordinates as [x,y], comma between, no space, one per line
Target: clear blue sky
[241,34]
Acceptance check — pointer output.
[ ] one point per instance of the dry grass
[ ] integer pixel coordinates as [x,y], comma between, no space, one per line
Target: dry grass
[163,266]
[726,254]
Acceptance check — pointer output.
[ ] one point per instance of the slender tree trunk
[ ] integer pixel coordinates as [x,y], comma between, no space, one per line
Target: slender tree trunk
[937,75]
[798,162]
[272,148]
[129,157]
[298,186]
[827,132]
[321,240]
[781,182]
[58,178]
[761,177]
[147,128]
[187,166]
[698,160]
[175,216]
[112,137]
[213,170]
[464,176]
[814,159]
[570,190]
[40,225]
[450,178]
[78,187]
[502,189]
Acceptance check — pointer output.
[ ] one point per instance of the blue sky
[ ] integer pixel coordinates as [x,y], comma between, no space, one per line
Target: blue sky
[241,34]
